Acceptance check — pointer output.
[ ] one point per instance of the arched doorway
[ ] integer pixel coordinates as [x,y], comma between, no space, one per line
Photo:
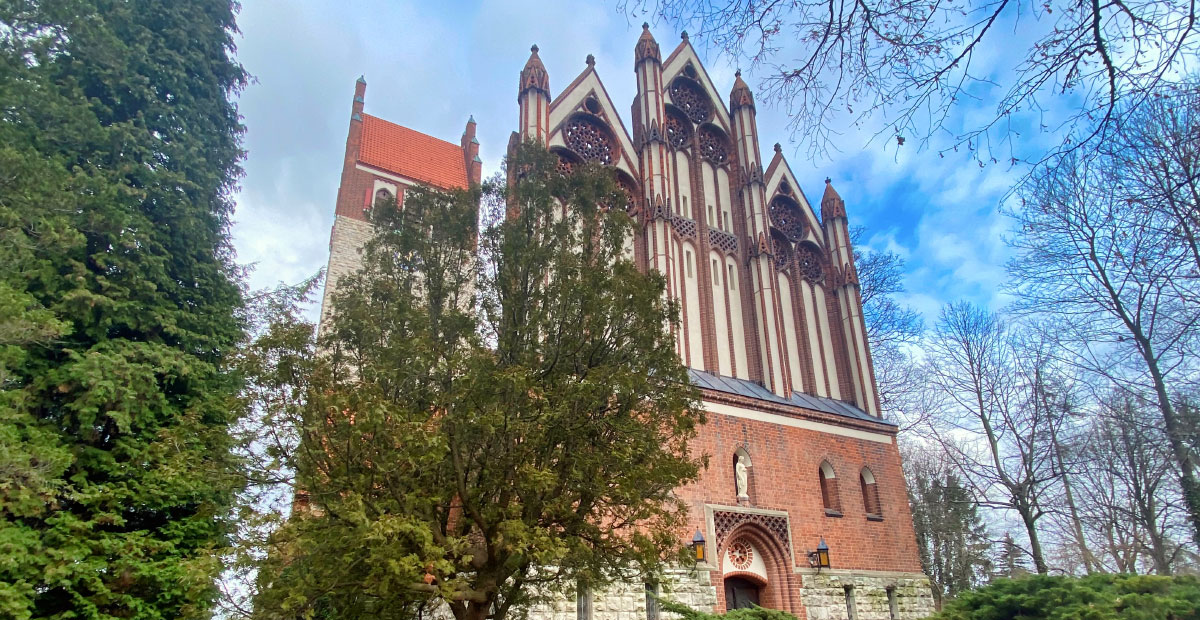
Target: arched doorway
[740,593]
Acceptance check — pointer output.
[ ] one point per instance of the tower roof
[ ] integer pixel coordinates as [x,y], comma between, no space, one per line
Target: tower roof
[534,74]
[411,154]
[646,47]
[740,95]
[832,204]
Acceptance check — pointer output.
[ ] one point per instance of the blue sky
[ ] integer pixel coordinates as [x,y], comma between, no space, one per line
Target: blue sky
[431,65]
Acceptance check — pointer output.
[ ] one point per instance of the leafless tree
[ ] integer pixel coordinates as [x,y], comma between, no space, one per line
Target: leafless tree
[911,63]
[1131,501]
[1156,155]
[995,428]
[1121,293]
[893,329]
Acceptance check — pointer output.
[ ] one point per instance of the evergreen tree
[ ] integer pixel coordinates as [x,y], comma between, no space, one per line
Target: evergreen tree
[1010,560]
[119,149]
[480,428]
[951,537]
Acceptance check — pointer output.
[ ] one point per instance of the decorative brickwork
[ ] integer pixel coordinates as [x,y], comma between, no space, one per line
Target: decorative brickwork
[726,521]
[726,242]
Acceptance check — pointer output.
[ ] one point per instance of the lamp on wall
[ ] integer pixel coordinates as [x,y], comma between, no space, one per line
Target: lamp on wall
[698,551]
[820,558]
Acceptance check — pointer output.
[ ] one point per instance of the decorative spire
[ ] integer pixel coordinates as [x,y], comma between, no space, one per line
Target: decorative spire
[779,149]
[683,35]
[832,204]
[534,74]
[740,95]
[646,47]
[590,60]
[362,79]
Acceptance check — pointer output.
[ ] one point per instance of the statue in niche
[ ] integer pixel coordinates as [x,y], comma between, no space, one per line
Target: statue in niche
[742,475]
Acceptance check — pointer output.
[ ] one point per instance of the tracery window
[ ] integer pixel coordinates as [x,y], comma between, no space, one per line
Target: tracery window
[687,96]
[809,261]
[712,146]
[787,218]
[782,250]
[679,132]
[589,139]
[565,165]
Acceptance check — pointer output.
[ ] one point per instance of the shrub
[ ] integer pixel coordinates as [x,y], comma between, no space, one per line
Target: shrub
[1096,597]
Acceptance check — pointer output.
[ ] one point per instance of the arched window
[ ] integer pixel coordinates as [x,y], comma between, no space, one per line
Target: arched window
[829,490]
[382,196]
[870,494]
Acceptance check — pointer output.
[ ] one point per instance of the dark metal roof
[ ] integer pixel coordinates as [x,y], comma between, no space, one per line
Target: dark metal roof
[751,389]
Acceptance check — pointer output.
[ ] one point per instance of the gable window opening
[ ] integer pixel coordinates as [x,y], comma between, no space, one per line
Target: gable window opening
[731,281]
[728,224]
[716,273]
[683,208]
[711,218]
[688,255]
[870,495]
[829,490]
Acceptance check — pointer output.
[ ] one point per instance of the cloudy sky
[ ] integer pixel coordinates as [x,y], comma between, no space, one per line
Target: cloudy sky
[429,65]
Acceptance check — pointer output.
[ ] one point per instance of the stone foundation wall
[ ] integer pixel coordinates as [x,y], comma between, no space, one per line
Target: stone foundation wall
[824,596]
[627,600]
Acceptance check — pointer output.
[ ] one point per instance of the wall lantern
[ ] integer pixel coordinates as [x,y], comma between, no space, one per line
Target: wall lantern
[698,547]
[820,558]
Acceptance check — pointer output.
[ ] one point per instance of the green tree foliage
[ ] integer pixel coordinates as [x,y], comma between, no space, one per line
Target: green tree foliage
[1096,597]
[486,418]
[119,149]
[951,536]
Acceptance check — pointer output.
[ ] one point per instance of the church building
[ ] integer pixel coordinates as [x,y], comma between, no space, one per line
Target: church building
[803,506]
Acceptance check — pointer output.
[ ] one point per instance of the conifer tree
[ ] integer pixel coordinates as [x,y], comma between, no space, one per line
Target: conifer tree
[119,148]
[480,429]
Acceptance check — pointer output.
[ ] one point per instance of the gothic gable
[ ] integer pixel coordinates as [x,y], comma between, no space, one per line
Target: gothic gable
[579,117]
[781,184]
[678,64]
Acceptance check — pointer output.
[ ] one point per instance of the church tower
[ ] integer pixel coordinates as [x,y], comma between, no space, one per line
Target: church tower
[771,330]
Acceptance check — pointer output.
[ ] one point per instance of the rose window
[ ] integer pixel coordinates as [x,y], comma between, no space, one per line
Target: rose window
[589,139]
[786,217]
[679,133]
[629,196]
[712,146]
[689,98]
[782,250]
[810,263]
[741,554]
[565,166]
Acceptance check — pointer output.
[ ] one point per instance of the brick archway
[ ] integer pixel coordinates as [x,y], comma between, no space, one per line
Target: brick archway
[780,589]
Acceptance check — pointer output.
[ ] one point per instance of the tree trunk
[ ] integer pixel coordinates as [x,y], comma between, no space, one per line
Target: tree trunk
[1175,436]
[1088,560]
[1035,545]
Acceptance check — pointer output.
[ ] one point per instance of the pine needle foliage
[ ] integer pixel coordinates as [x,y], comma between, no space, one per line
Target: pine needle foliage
[119,151]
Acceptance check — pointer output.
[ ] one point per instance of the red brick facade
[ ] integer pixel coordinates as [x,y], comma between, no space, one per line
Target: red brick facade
[772,318]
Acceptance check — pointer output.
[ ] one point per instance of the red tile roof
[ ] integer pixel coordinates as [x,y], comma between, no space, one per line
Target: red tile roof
[411,154]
